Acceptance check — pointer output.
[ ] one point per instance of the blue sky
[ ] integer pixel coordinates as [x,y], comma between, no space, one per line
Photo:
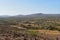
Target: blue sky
[15,7]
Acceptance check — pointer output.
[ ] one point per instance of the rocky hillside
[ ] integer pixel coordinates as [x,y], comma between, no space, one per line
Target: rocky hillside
[30,27]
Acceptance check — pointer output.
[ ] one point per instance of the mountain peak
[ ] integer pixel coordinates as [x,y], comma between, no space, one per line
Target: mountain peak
[37,14]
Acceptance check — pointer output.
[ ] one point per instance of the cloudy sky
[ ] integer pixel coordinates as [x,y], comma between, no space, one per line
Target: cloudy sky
[16,7]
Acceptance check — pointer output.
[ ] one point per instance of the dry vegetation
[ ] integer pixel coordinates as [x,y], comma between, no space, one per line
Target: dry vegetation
[30,29]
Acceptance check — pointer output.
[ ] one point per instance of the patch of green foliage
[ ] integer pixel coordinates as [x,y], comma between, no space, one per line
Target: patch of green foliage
[32,32]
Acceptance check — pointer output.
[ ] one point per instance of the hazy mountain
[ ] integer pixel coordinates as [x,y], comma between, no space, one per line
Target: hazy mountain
[36,15]
[4,16]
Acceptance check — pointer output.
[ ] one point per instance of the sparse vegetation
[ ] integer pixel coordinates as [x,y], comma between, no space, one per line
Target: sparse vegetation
[30,28]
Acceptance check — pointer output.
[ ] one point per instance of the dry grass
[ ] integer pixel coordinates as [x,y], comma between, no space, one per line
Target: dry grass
[50,32]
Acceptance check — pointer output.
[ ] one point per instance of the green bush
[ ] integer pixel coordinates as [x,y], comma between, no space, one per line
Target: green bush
[32,32]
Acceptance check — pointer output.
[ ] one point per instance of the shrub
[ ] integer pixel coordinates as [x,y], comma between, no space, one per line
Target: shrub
[32,32]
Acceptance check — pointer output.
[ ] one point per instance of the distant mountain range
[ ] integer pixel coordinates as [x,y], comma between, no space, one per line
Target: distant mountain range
[36,15]
[4,16]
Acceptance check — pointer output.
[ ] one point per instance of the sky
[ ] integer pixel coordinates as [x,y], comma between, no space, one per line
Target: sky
[25,7]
